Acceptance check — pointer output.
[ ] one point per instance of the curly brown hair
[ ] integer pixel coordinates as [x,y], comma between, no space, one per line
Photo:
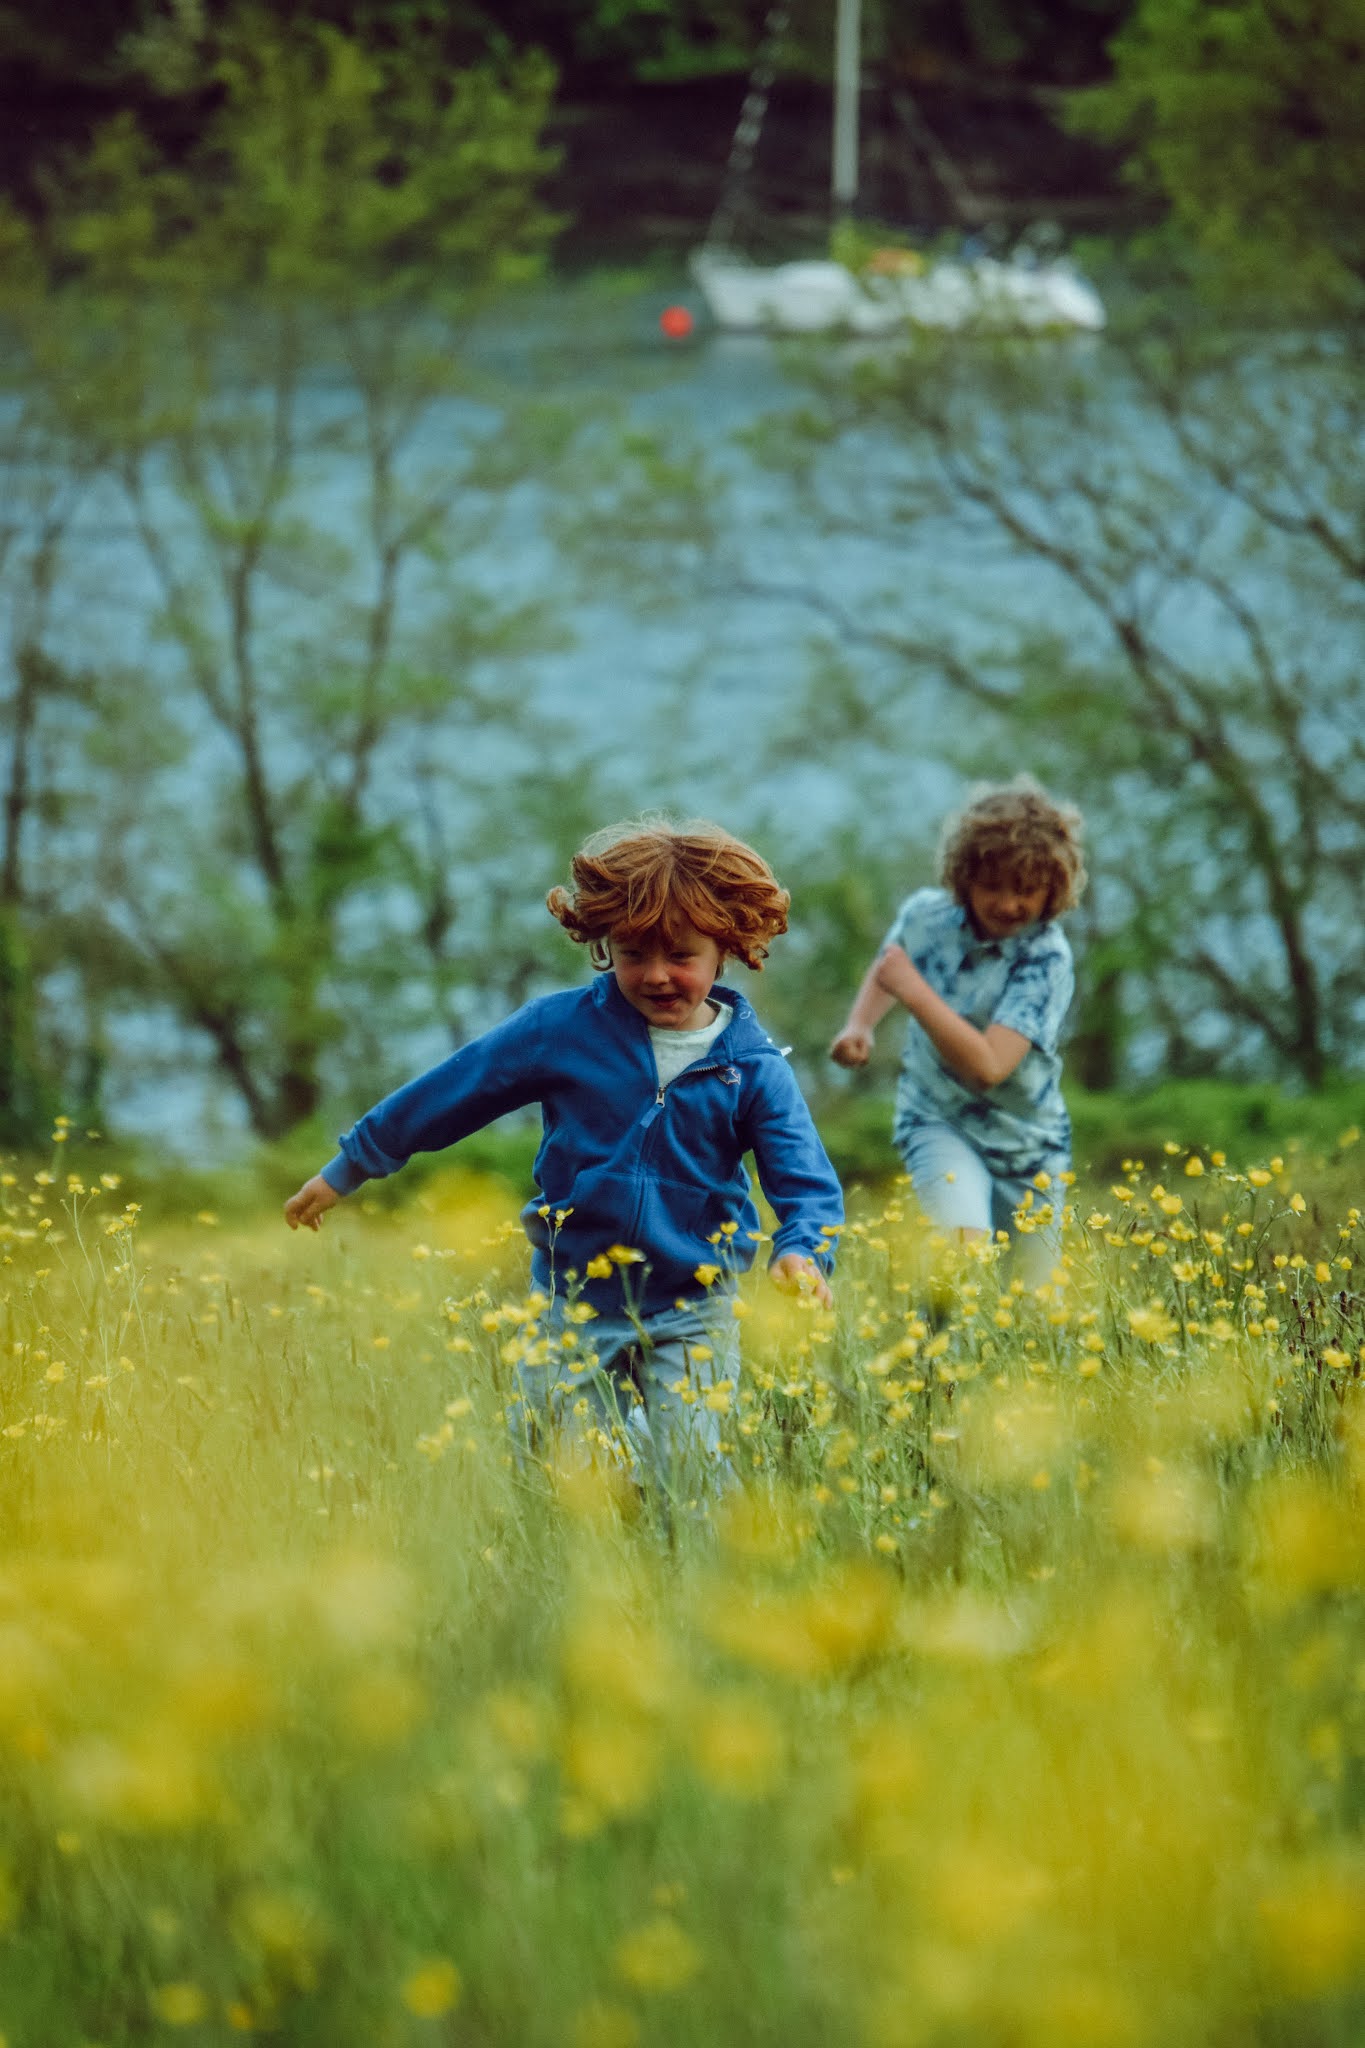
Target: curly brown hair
[1015,829]
[651,875]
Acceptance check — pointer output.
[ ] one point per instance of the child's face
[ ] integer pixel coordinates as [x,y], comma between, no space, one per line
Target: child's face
[999,905]
[667,976]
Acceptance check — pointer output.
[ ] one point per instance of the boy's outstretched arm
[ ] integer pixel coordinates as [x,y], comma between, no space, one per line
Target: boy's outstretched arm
[853,1046]
[311,1203]
[981,1058]
[492,1074]
[796,1175]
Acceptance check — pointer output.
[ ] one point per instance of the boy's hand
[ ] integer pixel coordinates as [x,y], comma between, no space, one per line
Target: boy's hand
[311,1203]
[853,1046]
[796,1274]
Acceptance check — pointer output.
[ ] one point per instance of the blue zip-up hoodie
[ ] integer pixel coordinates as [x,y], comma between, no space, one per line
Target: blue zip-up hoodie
[656,1169]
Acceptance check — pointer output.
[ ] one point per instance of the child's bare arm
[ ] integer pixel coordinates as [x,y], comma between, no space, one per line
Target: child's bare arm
[311,1203]
[853,1046]
[981,1058]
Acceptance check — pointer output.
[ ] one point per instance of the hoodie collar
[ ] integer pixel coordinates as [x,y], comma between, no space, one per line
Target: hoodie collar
[742,1033]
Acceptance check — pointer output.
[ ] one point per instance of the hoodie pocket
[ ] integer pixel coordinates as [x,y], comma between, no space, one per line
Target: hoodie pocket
[696,1214]
[690,1230]
[540,1229]
[605,1208]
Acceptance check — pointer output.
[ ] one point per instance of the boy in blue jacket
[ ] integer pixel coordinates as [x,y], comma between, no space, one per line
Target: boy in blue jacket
[653,1082]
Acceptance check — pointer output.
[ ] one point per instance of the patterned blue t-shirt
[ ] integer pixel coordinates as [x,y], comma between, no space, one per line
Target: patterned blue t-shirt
[1020,1127]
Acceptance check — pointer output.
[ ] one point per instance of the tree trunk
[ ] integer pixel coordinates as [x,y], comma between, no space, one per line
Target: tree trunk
[1094,1053]
[27,1101]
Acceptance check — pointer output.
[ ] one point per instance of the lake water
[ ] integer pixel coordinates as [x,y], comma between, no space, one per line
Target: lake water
[700,707]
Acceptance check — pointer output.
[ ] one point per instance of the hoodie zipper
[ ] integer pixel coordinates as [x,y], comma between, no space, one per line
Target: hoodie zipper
[715,1067]
[652,1113]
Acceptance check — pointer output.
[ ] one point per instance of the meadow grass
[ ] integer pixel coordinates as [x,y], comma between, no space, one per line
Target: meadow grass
[1013,1693]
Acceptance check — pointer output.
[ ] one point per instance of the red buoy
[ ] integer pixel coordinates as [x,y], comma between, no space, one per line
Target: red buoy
[676,322]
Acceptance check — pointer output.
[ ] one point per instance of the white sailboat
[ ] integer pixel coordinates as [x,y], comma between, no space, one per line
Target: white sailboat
[820,296]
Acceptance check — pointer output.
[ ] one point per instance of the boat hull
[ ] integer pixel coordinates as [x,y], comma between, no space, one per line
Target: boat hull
[823,297]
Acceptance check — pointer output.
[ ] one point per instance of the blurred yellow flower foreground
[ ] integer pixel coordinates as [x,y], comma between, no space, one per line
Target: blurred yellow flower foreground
[1013,1694]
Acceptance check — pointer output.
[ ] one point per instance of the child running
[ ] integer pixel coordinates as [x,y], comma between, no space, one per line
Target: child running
[653,1082]
[985,972]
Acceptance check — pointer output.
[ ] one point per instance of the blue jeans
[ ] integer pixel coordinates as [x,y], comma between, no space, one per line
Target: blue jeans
[958,1191]
[647,1393]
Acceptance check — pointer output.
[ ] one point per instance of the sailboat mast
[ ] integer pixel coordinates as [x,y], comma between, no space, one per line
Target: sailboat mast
[847,83]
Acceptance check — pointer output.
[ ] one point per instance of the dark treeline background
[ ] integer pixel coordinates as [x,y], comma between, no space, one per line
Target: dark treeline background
[646,99]
[304,498]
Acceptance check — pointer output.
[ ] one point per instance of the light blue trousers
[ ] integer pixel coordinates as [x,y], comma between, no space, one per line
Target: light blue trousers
[958,1191]
[649,1393]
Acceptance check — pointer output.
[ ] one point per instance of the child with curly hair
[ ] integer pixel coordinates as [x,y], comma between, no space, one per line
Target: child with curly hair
[653,1083]
[985,972]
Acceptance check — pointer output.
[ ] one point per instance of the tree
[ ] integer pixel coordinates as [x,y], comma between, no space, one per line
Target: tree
[1136,566]
[1244,117]
[48,472]
[280,318]
[1137,569]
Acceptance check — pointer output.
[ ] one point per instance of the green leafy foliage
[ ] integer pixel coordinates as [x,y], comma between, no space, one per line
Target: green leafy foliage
[1244,116]
[1133,567]
[208,341]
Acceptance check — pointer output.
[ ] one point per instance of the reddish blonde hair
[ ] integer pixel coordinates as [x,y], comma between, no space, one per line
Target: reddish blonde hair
[650,875]
[1015,829]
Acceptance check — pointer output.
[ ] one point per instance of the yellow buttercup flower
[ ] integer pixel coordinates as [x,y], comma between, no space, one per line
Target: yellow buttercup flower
[180,2004]
[1313,1924]
[1152,1325]
[432,1990]
[658,1956]
[738,1746]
